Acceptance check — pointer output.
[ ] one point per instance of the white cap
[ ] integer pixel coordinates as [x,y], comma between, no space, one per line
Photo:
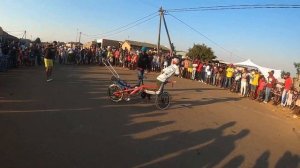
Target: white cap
[175,60]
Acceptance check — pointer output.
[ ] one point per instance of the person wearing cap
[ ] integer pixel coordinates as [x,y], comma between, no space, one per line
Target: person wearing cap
[287,87]
[270,83]
[143,64]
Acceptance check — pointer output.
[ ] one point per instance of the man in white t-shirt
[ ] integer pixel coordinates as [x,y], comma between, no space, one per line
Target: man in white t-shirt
[207,74]
[168,72]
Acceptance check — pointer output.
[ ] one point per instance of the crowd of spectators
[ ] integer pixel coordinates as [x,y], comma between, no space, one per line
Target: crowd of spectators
[247,82]
[15,54]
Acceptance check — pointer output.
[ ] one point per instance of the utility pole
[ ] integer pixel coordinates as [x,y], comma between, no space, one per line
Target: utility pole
[170,43]
[24,35]
[79,36]
[162,17]
[159,30]
[76,35]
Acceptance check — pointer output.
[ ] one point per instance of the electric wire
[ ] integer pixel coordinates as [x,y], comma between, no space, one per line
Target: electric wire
[237,7]
[230,52]
[139,23]
[119,28]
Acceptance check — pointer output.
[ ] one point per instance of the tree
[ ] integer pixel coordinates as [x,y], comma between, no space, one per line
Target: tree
[37,40]
[297,66]
[201,52]
[283,72]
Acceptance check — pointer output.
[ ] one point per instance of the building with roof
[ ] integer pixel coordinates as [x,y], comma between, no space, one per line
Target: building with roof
[136,45]
[4,36]
[73,44]
[104,43]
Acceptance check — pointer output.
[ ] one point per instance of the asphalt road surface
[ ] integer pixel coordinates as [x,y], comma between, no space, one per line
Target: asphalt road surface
[70,122]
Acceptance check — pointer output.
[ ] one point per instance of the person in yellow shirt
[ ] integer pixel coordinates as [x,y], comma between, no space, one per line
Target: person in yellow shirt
[229,75]
[110,55]
[254,82]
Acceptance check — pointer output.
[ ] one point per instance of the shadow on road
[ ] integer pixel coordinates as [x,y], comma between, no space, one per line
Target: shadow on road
[72,125]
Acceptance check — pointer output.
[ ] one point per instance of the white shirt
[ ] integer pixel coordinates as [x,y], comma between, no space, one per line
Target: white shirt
[207,68]
[168,72]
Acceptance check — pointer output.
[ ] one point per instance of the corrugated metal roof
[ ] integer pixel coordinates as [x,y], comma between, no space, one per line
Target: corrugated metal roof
[6,35]
[144,44]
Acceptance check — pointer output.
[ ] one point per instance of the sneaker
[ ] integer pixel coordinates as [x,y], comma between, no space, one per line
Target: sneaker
[127,99]
[49,80]
[265,102]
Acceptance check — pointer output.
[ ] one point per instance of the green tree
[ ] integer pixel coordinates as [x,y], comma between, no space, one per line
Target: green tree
[201,52]
[283,72]
[37,40]
[297,66]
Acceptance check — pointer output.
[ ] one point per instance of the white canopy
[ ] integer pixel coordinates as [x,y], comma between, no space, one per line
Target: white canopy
[263,70]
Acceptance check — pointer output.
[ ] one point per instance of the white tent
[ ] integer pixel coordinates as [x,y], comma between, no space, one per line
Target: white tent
[263,70]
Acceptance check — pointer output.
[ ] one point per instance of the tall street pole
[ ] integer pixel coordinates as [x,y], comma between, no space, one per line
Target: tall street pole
[159,30]
[79,36]
[171,45]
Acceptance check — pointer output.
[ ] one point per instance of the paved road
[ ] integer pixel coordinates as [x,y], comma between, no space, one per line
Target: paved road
[69,122]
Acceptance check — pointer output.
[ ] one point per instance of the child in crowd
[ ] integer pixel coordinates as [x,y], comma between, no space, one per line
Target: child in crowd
[261,87]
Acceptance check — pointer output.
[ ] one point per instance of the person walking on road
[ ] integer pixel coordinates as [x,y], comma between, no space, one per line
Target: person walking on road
[143,64]
[49,56]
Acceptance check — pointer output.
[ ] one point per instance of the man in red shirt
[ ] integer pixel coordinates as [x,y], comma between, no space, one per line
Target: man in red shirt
[287,86]
[199,70]
[270,83]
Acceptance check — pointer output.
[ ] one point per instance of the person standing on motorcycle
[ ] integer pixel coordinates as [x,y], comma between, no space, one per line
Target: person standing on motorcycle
[287,87]
[143,64]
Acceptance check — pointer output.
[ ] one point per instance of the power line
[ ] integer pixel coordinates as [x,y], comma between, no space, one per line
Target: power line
[204,36]
[149,3]
[237,7]
[121,26]
[13,31]
[17,33]
[112,34]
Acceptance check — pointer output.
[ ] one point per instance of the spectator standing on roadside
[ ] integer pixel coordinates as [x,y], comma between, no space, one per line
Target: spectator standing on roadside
[254,81]
[195,65]
[261,87]
[214,74]
[199,70]
[287,87]
[244,82]
[208,74]
[269,85]
[229,75]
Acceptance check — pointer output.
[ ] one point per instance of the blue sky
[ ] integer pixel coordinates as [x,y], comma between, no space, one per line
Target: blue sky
[269,37]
